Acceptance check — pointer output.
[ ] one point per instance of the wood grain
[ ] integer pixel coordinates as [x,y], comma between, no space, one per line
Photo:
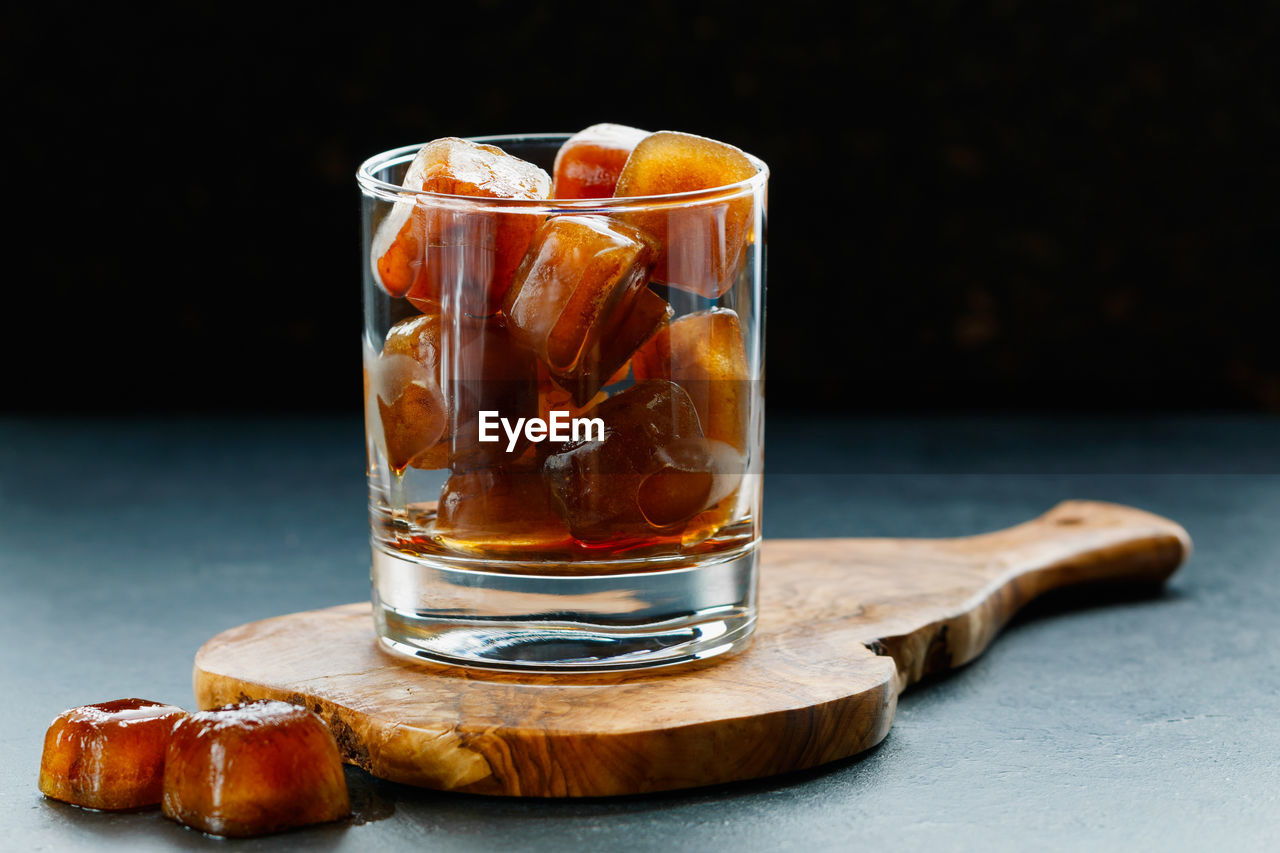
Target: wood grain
[845,626]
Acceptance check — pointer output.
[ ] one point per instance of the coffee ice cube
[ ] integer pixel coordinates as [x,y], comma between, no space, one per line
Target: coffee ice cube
[436,376]
[253,768]
[652,471]
[434,251]
[108,756]
[702,242]
[500,510]
[705,354]
[406,385]
[590,161]
[579,300]
[690,475]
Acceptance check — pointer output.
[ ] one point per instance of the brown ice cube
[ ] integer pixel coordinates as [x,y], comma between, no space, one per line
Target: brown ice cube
[414,420]
[690,475]
[579,300]
[702,242]
[253,768]
[706,355]
[646,317]
[590,161]
[653,469]
[417,338]
[500,510]
[411,404]
[108,756]
[432,252]
[431,420]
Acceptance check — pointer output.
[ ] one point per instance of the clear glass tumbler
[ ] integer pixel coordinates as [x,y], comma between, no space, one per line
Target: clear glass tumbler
[564,411]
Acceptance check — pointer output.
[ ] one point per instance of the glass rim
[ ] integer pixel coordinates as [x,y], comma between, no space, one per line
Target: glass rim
[373,186]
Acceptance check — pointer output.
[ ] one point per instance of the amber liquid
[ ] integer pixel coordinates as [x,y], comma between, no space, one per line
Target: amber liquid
[547,547]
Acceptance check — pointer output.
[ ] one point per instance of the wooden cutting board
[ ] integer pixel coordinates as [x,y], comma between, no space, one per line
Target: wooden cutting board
[845,626]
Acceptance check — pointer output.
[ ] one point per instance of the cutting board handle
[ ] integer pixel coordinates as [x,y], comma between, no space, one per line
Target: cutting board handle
[1087,542]
[1077,543]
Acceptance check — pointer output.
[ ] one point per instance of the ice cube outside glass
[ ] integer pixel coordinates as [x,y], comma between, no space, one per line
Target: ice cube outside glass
[631,549]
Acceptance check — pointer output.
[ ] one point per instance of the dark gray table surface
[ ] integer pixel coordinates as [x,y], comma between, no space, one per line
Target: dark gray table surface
[1147,724]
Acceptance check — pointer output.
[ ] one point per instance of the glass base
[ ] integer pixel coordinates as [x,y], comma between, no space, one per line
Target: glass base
[425,608]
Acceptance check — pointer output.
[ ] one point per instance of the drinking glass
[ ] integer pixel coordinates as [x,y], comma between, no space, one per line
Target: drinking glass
[564,420]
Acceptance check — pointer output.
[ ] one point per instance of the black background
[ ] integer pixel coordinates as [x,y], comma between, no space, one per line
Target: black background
[974,205]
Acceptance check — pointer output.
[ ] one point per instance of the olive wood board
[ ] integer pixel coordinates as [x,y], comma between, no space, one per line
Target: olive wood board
[845,625]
